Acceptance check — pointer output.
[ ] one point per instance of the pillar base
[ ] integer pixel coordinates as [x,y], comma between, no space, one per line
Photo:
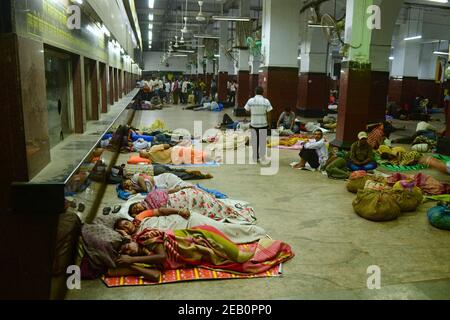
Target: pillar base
[353,108]
[242,94]
[280,87]
[313,92]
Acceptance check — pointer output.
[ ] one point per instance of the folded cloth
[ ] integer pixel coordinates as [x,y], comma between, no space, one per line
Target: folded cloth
[215,193]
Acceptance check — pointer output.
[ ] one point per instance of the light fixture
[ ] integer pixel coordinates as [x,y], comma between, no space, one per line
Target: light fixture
[179,55]
[440,1]
[182,39]
[230,18]
[299,58]
[150,17]
[186,51]
[151,4]
[315,25]
[176,42]
[150,26]
[217,55]
[106,31]
[441,53]
[200,17]
[185,30]
[391,58]
[205,36]
[78,1]
[413,38]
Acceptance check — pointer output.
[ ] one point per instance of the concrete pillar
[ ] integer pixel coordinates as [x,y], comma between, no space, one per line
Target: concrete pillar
[78,92]
[380,51]
[313,84]
[243,68]
[223,62]
[280,38]
[355,76]
[103,86]
[404,85]
[254,75]
[95,98]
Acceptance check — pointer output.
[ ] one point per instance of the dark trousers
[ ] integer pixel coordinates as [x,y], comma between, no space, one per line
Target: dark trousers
[311,157]
[259,142]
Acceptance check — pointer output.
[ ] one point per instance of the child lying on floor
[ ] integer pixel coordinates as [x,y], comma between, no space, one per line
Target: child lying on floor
[199,247]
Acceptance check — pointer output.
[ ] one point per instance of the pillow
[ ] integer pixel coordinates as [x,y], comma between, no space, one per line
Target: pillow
[101,245]
[138,160]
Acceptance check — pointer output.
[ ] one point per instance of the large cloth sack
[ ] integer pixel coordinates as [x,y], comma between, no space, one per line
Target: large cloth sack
[439,217]
[354,185]
[407,200]
[376,205]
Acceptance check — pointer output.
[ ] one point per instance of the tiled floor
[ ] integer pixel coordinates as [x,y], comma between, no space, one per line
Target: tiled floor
[333,246]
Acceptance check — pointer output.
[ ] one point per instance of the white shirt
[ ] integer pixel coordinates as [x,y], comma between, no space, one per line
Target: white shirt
[259,107]
[168,87]
[321,149]
[184,87]
[424,126]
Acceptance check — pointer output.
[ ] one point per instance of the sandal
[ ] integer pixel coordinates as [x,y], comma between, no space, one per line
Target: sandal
[117,209]
[106,211]
[81,207]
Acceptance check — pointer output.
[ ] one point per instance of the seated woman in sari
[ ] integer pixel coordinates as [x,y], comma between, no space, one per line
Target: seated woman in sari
[197,200]
[203,246]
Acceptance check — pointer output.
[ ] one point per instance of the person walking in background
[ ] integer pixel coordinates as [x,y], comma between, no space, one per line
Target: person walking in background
[260,109]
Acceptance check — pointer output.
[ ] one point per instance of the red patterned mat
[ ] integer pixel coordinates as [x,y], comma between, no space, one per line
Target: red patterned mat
[195,274]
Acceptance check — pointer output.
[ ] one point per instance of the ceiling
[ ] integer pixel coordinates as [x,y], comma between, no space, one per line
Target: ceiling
[168,18]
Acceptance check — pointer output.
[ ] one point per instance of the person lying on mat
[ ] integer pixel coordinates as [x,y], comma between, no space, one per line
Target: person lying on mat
[441,166]
[178,219]
[141,182]
[197,200]
[314,152]
[362,155]
[199,247]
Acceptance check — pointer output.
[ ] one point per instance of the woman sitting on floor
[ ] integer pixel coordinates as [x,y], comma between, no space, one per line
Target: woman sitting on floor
[200,247]
[314,152]
[197,200]
[361,155]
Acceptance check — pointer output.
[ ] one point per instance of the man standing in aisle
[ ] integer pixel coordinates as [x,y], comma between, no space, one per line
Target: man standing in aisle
[260,109]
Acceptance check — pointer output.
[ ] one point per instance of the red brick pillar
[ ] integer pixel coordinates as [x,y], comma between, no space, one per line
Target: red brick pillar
[222,86]
[353,105]
[378,96]
[280,87]
[253,83]
[313,93]
[242,93]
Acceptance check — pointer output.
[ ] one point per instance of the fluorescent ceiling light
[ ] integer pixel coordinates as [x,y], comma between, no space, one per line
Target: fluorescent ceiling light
[79,1]
[441,53]
[413,38]
[299,58]
[151,4]
[150,17]
[440,1]
[150,26]
[205,36]
[150,35]
[179,55]
[186,51]
[217,55]
[230,18]
[313,25]
[391,58]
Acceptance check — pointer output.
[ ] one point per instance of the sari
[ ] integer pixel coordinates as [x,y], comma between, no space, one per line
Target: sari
[207,247]
[201,202]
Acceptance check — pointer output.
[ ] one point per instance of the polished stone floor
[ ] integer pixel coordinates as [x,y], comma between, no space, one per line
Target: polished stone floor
[333,246]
